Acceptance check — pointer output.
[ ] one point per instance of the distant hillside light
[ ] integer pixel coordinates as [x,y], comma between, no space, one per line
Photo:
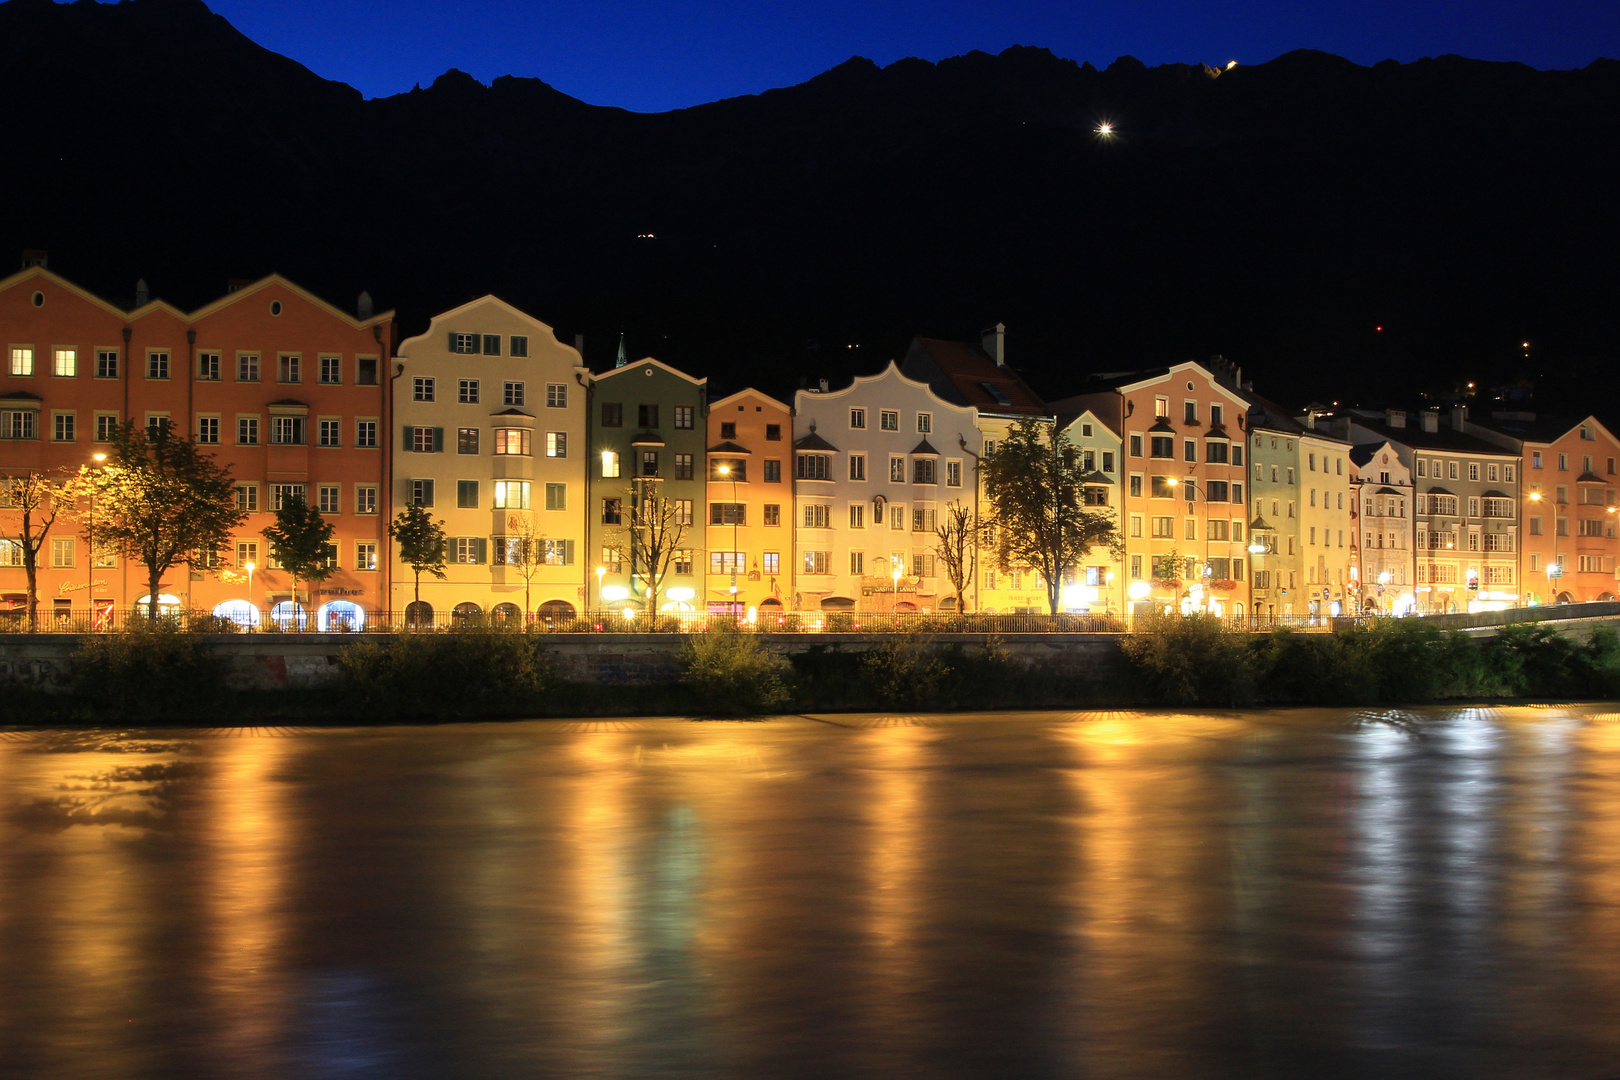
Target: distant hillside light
[1105,129]
[1230,64]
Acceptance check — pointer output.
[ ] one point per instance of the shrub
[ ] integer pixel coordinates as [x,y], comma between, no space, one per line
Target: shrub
[904,673]
[732,673]
[150,668]
[1186,659]
[473,672]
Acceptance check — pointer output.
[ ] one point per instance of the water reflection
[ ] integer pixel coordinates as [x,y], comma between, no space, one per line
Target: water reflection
[1421,892]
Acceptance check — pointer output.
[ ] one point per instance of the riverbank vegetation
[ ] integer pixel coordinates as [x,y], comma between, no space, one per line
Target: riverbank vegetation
[154,671]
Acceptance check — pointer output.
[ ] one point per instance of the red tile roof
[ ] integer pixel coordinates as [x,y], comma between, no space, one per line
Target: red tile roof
[977,378]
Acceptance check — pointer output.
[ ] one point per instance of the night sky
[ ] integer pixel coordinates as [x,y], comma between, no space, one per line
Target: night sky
[653,55]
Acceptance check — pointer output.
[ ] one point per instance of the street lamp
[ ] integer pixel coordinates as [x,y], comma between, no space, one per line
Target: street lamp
[1555,570]
[726,470]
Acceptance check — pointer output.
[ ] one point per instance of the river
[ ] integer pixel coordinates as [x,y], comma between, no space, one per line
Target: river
[1332,893]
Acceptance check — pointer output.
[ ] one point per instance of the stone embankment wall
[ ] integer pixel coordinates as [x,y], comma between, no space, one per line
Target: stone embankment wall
[274,661]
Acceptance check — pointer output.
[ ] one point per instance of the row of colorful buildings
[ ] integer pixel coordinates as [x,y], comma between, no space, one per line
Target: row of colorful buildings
[1224,501]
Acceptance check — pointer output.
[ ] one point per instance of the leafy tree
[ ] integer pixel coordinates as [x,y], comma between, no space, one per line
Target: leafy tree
[37,501]
[422,543]
[525,550]
[1034,482]
[957,542]
[655,531]
[301,541]
[162,501]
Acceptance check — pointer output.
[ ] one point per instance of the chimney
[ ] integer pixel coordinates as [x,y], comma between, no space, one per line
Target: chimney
[1459,418]
[1395,418]
[1431,420]
[237,284]
[579,346]
[824,385]
[143,295]
[33,257]
[363,307]
[1340,428]
[994,341]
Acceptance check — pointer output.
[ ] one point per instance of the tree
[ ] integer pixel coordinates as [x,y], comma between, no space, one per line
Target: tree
[37,500]
[656,530]
[162,501]
[1035,485]
[525,550]
[301,541]
[421,542]
[958,542]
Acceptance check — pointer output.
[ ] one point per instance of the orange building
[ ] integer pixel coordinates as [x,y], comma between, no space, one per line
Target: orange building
[283,387]
[750,505]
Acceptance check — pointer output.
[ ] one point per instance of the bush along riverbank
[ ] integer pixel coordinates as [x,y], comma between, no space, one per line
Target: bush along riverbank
[158,673]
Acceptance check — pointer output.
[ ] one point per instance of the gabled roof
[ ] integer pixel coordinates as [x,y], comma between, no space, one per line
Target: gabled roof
[749,392]
[1590,478]
[1445,440]
[514,411]
[728,447]
[486,301]
[970,376]
[20,395]
[813,441]
[1531,428]
[924,448]
[635,366]
[646,438]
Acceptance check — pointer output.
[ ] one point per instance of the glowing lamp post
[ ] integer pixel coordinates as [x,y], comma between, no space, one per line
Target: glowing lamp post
[899,568]
[726,471]
[600,570]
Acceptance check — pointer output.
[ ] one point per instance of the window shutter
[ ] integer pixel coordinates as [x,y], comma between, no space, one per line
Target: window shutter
[408,432]
[452,345]
[482,555]
[568,553]
[438,440]
[477,343]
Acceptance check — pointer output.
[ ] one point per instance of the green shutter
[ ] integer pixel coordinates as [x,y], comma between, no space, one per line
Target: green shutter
[568,553]
[407,432]
[438,440]
[482,554]
[477,343]
[452,341]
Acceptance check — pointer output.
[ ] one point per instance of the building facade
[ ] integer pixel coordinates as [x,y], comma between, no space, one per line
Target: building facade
[1381,534]
[648,426]
[277,384]
[875,465]
[490,437]
[749,564]
[1099,582]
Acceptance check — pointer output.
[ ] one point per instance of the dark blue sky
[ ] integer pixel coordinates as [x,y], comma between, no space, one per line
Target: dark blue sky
[652,55]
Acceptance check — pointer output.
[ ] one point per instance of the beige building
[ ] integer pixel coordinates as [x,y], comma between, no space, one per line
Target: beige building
[489,435]
[750,511]
[1381,536]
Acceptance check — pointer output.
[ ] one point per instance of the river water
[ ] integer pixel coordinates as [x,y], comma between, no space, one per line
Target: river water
[1385,893]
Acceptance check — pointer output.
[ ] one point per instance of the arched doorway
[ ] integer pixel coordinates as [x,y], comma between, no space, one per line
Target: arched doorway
[419,613]
[168,604]
[1563,598]
[507,614]
[837,603]
[340,616]
[290,616]
[466,613]
[553,612]
[240,612]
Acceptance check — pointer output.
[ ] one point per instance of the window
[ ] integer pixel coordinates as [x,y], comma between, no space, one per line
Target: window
[1586,564]
[683,511]
[816,517]
[247,551]
[612,511]
[326,498]
[737,470]
[889,420]
[813,467]
[925,423]
[682,560]
[1563,463]
[62,551]
[467,391]
[727,562]
[287,368]
[247,430]
[520,345]
[610,464]
[247,499]
[922,471]
[922,521]
[612,414]
[365,371]
[857,563]
[1490,474]
[683,417]
[897,518]
[1216,491]
[329,432]
[512,393]
[507,441]
[773,472]
[470,549]
[953,474]
[1136,446]
[1162,488]
[556,395]
[287,430]
[331,370]
[772,514]
[511,495]
[208,429]
[365,433]
[1215,452]
[857,466]
[62,427]
[773,562]
[556,444]
[728,429]
[1136,485]
[365,556]
[857,418]
[365,498]
[492,344]
[649,463]
[1096,495]
[420,492]
[773,432]
[1190,412]
[281,493]
[613,559]
[157,365]
[647,415]
[728,514]
[207,366]
[467,494]
[466,344]
[1163,446]
[683,466]
[897,470]
[22,361]
[1164,528]
[816,562]
[422,389]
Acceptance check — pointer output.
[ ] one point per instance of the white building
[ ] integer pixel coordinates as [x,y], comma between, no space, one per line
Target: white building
[1382,534]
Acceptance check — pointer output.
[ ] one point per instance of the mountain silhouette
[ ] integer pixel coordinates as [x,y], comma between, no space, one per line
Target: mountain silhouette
[1275,213]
